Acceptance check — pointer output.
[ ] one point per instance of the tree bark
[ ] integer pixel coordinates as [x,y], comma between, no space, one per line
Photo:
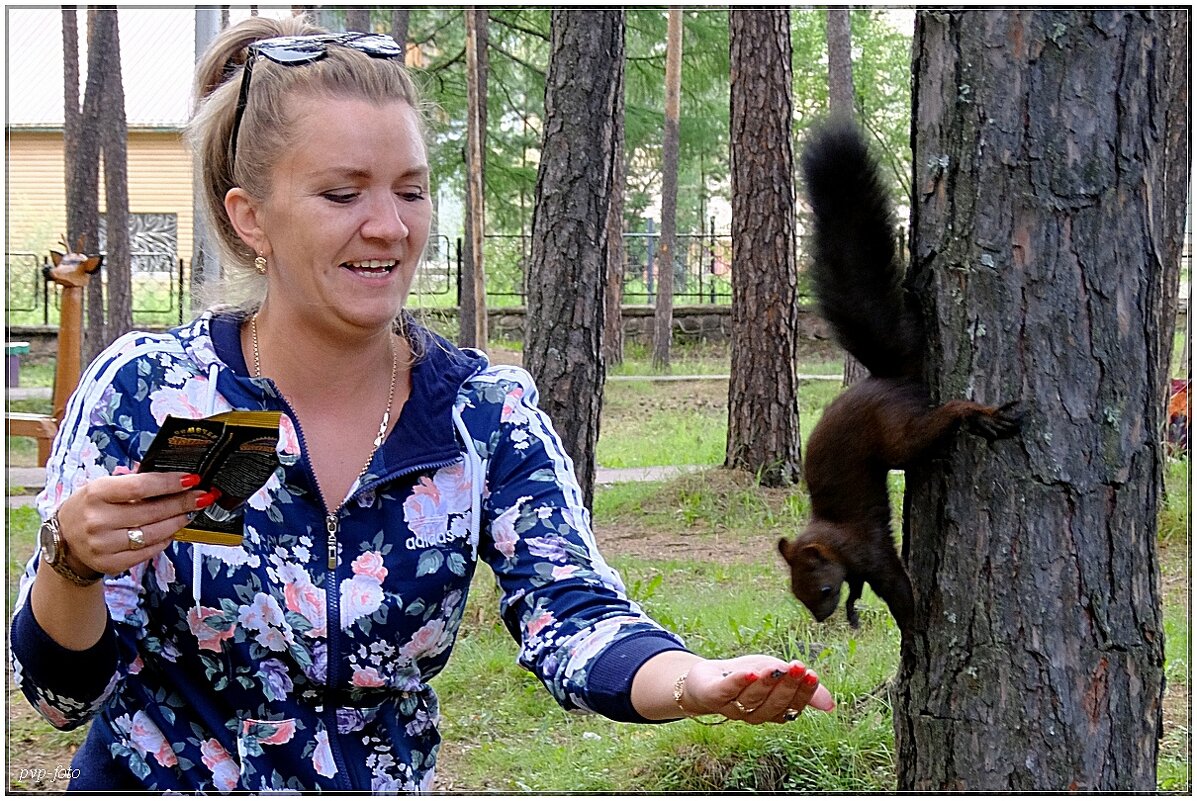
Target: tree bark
[205,266]
[762,431]
[667,247]
[357,19]
[563,343]
[1041,227]
[114,144]
[72,123]
[400,18]
[473,319]
[83,190]
[840,92]
[616,250]
[1176,39]
[841,97]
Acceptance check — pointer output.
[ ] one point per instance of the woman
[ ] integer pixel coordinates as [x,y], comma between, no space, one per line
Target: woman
[300,659]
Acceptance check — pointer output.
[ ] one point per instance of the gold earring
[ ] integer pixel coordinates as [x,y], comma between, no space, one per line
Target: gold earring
[260,265]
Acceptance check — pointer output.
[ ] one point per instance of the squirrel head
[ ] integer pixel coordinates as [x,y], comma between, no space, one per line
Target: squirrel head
[816,573]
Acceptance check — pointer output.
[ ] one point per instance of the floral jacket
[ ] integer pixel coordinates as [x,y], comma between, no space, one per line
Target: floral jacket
[259,667]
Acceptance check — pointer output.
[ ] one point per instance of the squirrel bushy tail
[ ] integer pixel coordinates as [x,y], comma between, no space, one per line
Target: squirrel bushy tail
[856,269]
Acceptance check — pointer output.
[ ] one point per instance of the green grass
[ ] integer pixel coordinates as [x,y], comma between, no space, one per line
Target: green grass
[22,525]
[39,373]
[684,359]
[507,735]
[648,423]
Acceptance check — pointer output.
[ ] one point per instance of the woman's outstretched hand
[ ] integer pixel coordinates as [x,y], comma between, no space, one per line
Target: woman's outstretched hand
[752,689]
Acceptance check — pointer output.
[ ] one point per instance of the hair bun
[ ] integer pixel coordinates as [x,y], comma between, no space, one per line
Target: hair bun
[229,49]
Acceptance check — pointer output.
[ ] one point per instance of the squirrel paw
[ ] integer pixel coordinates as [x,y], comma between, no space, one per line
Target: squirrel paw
[853,615]
[1003,422]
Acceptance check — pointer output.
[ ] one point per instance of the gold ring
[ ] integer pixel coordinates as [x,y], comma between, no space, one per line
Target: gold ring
[791,714]
[736,703]
[136,539]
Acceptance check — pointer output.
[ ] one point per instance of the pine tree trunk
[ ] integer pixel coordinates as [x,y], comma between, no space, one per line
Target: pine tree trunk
[840,92]
[616,250]
[842,102]
[1176,47]
[400,18]
[205,264]
[762,431]
[357,19]
[1041,226]
[667,247]
[114,142]
[472,315]
[83,186]
[71,126]
[563,343]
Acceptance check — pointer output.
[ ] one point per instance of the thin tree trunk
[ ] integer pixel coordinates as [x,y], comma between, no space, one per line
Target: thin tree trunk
[762,431]
[204,263]
[71,126]
[616,249]
[400,19]
[357,19]
[563,344]
[1039,242]
[473,317]
[841,94]
[114,142]
[84,190]
[1176,44]
[842,102]
[667,249]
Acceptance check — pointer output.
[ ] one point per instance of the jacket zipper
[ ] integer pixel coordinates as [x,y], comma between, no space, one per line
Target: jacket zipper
[332,528]
[332,524]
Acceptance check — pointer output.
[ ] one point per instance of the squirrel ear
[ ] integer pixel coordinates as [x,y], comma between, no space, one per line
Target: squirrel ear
[783,545]
[814,553]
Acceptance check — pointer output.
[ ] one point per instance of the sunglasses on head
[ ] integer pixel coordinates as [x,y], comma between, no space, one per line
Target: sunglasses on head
[296,50]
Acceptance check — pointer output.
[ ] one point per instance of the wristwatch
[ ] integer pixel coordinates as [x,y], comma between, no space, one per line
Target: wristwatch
[54,553]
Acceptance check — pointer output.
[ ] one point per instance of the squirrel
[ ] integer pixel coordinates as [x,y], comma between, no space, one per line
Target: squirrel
[885,421]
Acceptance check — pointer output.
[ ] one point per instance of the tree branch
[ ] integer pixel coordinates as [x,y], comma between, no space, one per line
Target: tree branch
[530,67]
[444,65]
[519,28]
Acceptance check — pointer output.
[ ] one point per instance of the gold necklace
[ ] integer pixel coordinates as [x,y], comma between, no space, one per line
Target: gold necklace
[382,430]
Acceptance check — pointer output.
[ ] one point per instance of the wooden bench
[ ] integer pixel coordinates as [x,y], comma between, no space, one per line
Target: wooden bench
[41,427]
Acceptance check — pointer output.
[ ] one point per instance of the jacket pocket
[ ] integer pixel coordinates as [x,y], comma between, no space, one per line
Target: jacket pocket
[282,755]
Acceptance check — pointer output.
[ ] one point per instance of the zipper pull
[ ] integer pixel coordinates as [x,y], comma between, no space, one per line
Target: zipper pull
[332,525]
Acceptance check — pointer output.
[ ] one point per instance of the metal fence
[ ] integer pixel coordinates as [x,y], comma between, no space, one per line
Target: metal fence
[159,284]
[701,268]
[27,289]
[701,274]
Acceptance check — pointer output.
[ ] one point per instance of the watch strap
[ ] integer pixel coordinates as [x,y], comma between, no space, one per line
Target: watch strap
[60,565]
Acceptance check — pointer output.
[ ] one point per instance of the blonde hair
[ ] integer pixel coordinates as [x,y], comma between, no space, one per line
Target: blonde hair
[265,126]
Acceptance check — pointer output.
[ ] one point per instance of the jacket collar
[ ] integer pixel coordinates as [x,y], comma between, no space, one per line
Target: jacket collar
[424,434]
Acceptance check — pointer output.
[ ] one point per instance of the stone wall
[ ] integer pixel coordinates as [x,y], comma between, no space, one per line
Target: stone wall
[699,323]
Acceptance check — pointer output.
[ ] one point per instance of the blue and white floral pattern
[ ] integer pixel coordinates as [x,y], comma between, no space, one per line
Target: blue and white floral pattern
[256,667]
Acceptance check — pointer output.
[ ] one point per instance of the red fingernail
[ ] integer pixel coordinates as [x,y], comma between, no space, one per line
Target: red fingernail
[797,671]
[207,499]
[752,677]
[190,480]
[810,679]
